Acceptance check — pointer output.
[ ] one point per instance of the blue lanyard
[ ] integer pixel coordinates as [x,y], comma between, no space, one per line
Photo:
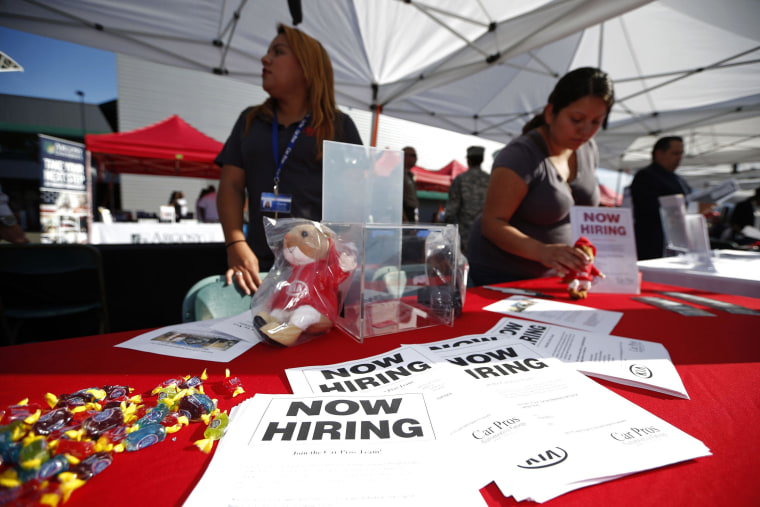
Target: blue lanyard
[276,145]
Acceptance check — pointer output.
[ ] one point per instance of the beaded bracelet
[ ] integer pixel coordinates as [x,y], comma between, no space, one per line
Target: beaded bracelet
[233,242]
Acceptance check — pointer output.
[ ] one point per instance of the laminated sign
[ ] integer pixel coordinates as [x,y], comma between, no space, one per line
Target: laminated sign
[611,232]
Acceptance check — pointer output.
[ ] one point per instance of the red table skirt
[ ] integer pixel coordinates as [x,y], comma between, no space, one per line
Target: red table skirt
[717,357]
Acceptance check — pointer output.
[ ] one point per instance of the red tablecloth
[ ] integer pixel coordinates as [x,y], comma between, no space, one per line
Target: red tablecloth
[717,357]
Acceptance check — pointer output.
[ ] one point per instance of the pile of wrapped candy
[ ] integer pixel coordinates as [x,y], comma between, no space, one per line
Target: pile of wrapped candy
[47,452]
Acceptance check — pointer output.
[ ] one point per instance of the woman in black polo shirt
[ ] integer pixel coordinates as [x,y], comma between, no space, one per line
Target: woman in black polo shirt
[275,151]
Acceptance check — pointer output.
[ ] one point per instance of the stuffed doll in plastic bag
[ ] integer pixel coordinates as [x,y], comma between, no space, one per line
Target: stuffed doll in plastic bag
[299,298]
[579,282]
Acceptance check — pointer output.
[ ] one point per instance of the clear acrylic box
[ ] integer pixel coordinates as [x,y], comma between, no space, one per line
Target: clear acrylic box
[408,277]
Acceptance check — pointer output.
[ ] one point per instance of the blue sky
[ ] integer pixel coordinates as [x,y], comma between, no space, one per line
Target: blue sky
[56,69]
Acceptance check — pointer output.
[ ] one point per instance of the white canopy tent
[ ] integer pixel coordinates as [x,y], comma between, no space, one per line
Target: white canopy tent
[688,67]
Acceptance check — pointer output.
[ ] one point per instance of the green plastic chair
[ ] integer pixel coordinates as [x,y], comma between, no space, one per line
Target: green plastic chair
[212,298]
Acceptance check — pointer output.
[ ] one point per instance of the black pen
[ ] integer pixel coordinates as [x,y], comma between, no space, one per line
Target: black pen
[521,292]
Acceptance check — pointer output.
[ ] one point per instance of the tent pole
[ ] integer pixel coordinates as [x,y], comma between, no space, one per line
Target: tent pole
[111,190]
[376,110]
[375,119]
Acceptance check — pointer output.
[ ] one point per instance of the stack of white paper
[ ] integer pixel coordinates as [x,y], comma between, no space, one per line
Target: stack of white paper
[604,435]
[283,450]
[637,363]
[433,424]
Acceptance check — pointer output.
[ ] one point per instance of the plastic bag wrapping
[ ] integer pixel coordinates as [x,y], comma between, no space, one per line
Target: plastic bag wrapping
[301,295]
[442,268]
[411,277]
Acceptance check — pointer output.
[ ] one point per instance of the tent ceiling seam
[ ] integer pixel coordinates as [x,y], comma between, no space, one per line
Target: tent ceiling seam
[539,61]
[636,117]
[508,116]
[365,53]
[127,34]
[425,10]
[234,23]
[477,66]
[550,23]
[704,119]
[427,7]
[422,112]
[61,13]
[724,65]
[637,65]
[718,147]
[714,66]
[122,34]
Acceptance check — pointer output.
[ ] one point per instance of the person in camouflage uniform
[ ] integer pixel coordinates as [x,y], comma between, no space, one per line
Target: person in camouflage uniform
[467,195]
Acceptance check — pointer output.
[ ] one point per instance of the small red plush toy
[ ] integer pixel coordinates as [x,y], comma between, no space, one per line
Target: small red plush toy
[299,298]
[579,282]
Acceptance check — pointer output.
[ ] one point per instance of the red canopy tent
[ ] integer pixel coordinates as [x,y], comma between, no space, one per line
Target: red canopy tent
[440,180]
[171,147]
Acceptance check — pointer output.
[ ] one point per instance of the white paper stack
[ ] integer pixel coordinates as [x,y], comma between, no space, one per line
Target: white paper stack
[433,424]
[637,363]
[283,450]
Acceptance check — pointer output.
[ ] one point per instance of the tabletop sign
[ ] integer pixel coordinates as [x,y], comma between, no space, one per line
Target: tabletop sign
[611,232]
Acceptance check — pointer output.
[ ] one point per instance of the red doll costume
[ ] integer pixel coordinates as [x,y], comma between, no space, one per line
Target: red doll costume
[307,302]
[579,282]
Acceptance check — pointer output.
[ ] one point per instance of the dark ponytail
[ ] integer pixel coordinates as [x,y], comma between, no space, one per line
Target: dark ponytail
[534,123]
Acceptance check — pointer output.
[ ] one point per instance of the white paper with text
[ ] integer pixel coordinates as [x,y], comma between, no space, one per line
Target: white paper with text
[285,450]
[610,435]
[628,361]
[490,430]
[218,340]
[556,312]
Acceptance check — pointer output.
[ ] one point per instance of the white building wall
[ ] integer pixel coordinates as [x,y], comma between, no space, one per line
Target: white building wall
[150,92]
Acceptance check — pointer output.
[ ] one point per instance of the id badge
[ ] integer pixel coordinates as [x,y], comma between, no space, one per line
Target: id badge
[275,203]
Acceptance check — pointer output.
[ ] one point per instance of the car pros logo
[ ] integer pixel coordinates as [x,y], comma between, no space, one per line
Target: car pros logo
[548,458]
[641,371]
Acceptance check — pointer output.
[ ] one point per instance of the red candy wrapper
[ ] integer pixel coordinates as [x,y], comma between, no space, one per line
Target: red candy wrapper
[233,384]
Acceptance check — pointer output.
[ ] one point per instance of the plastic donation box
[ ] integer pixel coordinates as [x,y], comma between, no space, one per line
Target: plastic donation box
[409,276]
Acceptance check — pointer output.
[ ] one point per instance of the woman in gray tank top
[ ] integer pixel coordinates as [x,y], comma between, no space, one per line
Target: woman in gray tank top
[524,230]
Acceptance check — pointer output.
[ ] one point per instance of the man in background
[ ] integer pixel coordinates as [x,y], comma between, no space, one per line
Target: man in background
[746,214]
[411,203]
[467,195]
[649,184]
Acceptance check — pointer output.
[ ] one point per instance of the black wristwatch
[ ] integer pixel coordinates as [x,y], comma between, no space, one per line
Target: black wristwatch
[8,220]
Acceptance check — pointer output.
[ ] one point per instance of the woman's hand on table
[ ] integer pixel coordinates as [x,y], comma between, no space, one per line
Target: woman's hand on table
[243,267]
[563,258]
